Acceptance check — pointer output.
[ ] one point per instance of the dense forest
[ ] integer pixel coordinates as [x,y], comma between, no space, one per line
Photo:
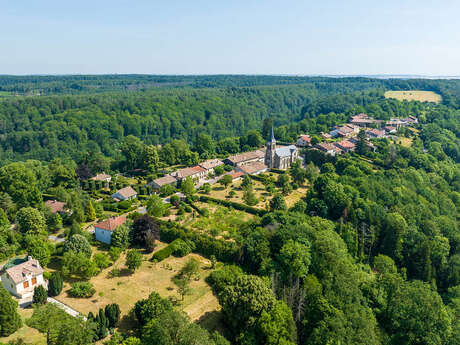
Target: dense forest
[369,254]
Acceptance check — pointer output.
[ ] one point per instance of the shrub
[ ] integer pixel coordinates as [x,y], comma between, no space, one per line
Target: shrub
[163,253]
[82,289]
[124,205]
[133,259]
[181,248]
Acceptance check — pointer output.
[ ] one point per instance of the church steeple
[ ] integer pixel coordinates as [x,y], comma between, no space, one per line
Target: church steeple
[272,137]
[270,150]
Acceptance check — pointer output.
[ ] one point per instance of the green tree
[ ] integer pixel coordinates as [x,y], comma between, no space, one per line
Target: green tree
[38,248]
[90,212]
[244,302]
[20,182]
[294,260]
[226,180]
[277,325]
[277,203]
[133,260]
[61,328]
[78,264]
[112,312]
[361,146]
[187,186]
[204,145]
[249,197]
[40,295]
[31,221]
[102,261]
[120,237]
[55,284]
[155,206]
[10,321]
[151,308]
[78,244]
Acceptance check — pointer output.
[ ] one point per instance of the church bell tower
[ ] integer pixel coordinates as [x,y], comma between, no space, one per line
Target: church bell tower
[270,150]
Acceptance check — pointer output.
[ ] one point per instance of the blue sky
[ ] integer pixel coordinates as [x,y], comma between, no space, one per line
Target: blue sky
[233,36]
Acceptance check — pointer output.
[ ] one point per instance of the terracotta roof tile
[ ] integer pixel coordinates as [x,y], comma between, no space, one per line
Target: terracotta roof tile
[111,223]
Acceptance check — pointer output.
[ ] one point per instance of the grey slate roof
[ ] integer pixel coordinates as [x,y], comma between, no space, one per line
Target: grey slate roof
[285,151]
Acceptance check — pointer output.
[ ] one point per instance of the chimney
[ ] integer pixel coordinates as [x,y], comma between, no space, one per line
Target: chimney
[29,258]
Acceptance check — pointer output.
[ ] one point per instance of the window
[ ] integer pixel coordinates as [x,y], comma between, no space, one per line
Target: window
[26,285]
[34,280]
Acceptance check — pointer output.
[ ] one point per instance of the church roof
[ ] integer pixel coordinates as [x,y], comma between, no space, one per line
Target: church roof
[285,151]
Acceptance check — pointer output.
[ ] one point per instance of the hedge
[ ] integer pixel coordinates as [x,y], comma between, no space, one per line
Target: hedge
[169,250]
[205,244]
[235,205]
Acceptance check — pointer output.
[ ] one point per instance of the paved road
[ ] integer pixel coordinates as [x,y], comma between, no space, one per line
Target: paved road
[56,239]
[66,308]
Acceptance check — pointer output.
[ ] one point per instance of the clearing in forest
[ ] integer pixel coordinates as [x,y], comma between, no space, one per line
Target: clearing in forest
[414,95]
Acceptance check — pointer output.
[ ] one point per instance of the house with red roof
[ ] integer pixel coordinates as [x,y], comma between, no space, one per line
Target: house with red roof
[303,140]
[196,173]
[345,145]
[56,206]
[103,230]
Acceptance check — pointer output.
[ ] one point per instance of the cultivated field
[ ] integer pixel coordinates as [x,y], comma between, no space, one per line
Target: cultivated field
[414,95]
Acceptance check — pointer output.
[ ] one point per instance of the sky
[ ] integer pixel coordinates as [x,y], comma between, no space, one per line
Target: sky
[309,37]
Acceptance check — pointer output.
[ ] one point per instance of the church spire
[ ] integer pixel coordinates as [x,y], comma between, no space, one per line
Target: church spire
[272,137]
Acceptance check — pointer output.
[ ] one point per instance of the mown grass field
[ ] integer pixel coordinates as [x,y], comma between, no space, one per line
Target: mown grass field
[129,287]
[414,95]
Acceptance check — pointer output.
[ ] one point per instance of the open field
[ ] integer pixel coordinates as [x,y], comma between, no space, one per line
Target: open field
[222,221]
[129,287]
[414,95]
[405,142]
[27,334]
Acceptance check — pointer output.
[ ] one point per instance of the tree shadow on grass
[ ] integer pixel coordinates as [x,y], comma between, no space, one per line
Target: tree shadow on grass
[212,321]
[127,324]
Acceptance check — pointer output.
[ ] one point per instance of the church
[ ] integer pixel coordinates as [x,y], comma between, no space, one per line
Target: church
[281,157]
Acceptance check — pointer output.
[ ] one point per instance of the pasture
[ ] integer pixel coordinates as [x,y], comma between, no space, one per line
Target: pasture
[414,95]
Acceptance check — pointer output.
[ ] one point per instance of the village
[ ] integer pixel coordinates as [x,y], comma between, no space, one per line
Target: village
[216,210]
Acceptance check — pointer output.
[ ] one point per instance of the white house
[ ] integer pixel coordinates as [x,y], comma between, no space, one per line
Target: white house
[103,230]
[127,193]
[210,164]
[20,280]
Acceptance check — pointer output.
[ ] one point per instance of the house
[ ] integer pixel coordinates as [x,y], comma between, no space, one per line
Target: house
[390,129]
[362,120]
[303,140]
[162,181]
[411,120]
[102,177]
[279,157]
[398,123]
[254,168]
[21,279]
[127,193]
[327,148]
[326,135]
[345,131]
[237,175]
[210,164]
[195,172]
[56,206]
[345,145]
[103,230]
[246,158]
[375,133]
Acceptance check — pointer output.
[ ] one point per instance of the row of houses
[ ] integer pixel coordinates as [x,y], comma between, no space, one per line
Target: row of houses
[340,147]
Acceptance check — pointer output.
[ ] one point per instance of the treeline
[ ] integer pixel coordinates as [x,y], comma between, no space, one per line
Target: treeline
[93,125]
